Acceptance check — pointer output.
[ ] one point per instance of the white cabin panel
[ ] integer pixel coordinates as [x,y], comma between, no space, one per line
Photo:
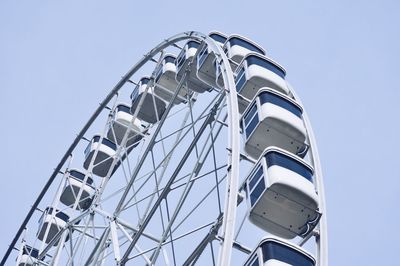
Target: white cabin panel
[262,77]
[274,262]
[284,121]
[293,185]
[121,124]
[26,260]
[281,196]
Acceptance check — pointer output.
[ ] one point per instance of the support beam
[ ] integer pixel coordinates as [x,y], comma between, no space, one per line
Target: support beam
[167,189]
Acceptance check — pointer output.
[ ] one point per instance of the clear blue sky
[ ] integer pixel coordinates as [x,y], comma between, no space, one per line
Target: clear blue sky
[58,59]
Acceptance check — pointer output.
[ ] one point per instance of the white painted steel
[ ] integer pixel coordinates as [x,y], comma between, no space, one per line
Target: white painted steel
[322,233]
[109,236]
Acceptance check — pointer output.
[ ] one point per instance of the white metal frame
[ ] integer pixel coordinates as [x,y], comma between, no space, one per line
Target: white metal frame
[224,226]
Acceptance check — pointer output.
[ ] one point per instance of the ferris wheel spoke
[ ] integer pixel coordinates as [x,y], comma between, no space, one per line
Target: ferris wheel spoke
[210,236]
[177,185]
[215,172]
[193,129]
[170,181]
[127,173]
[192,180]
[210,147]
[170,232]
[94,255]
[175,145]
[85,236]
[182,128]
[129,238]
[188,233]
[149,147]
[51,243]
[197,205]
[135,230]
[60,246]
[189,184]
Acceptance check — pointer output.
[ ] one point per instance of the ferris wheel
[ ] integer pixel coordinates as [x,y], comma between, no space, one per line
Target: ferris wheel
[201,154]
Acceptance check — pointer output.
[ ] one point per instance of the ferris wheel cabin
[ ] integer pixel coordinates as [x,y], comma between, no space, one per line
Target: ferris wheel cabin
[276,252]
[122,124]
[237,47]
[206,70]
[186,56]
[166,83]
[79,188]
[281,194]
[28,256]
[51,223]
[273,119]
[257,71]
[103,158]
[153,107]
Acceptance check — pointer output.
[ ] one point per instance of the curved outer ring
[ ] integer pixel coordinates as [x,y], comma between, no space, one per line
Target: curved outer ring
[322,238]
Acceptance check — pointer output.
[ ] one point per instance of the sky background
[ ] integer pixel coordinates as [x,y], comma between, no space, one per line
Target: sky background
[58,60]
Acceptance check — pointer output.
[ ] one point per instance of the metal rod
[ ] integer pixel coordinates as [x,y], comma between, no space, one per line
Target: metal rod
[322,238]
[167,187]
[203,243]
[176,238]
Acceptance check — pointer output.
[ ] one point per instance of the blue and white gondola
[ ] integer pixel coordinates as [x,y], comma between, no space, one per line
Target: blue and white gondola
[276,252]
[77,181]
[281,195]
[165,81]
[237,47]
[123,123]
[104,157]
[53,221]
[273,119]
[255,72]
[186,55]
[28,256]
[206,65]
[153,106]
